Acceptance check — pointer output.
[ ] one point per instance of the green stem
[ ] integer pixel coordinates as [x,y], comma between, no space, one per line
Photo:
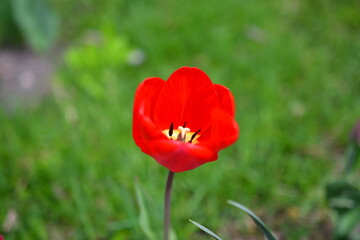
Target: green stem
[167,204]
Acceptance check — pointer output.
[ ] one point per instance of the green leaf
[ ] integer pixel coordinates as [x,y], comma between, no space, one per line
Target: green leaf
[38,24]
[342,196]
[344,199]
[144,217]
[347,222]
[9,32]
[205,229]
[268,234]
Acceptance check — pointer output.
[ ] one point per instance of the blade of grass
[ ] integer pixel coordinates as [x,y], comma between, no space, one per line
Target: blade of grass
[143,217]
[268,234]
[205,229]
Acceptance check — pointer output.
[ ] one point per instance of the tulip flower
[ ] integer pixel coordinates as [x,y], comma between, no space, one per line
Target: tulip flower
[185,121]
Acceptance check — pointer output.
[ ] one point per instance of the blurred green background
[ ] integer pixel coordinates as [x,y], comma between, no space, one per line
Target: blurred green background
[68,166]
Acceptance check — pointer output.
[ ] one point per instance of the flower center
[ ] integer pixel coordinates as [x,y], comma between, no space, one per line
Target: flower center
[182,134]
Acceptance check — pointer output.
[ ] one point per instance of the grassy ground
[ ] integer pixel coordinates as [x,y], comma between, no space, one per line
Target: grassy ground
[69,167]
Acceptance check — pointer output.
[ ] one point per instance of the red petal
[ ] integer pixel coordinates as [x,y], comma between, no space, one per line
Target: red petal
[226,99]
[145,99]
[148,132]
[224,131]
[179,157]
[188,96]
[147,94]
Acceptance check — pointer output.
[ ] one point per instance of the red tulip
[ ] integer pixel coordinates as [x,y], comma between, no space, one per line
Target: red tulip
[185,121]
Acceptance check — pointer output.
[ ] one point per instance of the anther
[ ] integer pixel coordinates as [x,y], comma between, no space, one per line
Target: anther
[184,125]
[194,135]
[171,129]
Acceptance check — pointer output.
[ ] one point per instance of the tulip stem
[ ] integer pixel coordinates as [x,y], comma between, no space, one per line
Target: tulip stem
[167,204]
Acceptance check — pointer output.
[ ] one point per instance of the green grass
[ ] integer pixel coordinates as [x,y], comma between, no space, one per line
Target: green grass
[68,167]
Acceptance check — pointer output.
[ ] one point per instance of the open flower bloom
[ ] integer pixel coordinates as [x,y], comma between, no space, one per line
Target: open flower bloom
[185,121]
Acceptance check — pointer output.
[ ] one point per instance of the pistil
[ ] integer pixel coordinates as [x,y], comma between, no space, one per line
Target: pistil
[182,134]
